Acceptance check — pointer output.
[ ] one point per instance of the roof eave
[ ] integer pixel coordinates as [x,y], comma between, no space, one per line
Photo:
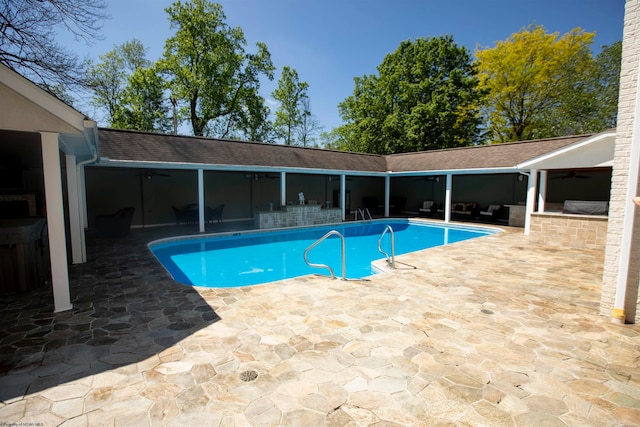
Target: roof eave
[107,162]
[604,158]
[472,171]
[40,97]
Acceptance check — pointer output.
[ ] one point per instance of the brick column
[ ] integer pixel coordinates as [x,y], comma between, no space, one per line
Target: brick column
[628,106]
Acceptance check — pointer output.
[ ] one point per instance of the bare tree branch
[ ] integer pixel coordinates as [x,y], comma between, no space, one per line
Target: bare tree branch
[28,30]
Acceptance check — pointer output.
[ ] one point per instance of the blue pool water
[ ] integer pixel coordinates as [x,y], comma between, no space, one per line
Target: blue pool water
[251,258]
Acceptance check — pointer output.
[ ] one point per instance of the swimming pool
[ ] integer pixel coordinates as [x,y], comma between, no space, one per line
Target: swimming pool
[253,257]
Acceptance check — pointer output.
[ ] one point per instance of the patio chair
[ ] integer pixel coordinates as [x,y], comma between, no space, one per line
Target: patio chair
[214,214]
[490,213]
[188,215]
[116,224]
[428,208]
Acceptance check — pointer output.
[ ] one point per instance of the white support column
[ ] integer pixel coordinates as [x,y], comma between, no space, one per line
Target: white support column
[75,226]
[201,200]
[447,198]
[532,183]
[55,221]
[343,195]
[283,188]
[387,194]
[542,194]
[619,314]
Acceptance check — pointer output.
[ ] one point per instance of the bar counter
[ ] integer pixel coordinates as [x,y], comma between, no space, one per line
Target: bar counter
[297,215]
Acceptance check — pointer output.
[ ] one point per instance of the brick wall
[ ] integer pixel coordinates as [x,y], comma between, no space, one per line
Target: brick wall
[619,186]
[575,231]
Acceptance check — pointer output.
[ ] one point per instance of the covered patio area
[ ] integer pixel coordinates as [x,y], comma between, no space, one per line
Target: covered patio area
[503,332]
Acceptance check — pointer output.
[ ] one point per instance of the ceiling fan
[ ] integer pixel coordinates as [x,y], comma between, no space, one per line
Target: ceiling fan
[572,174]
[336,178]
[257,176]
[429,178]
[150,173]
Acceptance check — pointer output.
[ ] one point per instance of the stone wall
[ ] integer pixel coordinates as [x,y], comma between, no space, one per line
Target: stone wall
[627,104]
[297,215]
[575,231]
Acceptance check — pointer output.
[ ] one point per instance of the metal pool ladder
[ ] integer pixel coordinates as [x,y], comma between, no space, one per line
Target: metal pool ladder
[391,260]
[317,242]
[362,212]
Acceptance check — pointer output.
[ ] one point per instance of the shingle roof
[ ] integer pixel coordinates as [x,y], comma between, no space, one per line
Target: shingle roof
[150,147]
[479,157]
[124,145]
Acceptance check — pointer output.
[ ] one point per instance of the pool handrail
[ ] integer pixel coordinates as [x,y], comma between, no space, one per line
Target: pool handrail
[391,260]
[362,212]
[316,243]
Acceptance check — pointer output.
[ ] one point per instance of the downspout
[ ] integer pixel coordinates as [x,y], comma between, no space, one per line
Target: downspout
[82,196]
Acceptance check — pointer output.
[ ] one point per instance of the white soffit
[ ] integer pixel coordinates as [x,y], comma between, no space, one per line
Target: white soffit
[594,151]
[107,162]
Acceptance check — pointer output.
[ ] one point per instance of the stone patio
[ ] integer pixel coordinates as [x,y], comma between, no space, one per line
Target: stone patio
[496,331]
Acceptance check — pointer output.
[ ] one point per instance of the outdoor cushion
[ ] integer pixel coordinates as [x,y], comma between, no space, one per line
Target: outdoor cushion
[585,207]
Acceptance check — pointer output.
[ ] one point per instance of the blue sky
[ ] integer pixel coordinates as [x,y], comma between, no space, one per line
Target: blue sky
[329,42]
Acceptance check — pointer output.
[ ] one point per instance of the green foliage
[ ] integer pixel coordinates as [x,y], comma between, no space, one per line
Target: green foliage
[109,78]
[250,121]
[607,84]
[335,139]
[290,93]
[544,85]
[207,68]
[143,105]
[424,97]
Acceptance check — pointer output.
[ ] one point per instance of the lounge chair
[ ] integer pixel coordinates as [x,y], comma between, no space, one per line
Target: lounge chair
[428,208]
[490,213]
[464,211]
[116,224]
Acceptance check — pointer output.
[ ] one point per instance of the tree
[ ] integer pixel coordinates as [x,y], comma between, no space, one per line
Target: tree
[28,38]
[425,96]
[309,126]
[289,93]
[206,66]
[607,84]
[109,78]
[335,139]
[143,103]
[254,123]
[543,85]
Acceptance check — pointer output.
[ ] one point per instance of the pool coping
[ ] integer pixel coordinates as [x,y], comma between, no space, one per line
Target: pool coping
[272,230]
[378,266]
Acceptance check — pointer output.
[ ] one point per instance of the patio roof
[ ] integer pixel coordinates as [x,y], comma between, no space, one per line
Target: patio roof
[481,159]
[27,108]
[595,151]
[126,148]
[143,149]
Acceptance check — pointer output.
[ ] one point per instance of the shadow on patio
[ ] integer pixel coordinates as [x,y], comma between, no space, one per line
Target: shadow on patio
[125,309]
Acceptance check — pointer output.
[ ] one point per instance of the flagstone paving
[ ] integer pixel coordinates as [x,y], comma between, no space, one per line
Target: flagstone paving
[495,331]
